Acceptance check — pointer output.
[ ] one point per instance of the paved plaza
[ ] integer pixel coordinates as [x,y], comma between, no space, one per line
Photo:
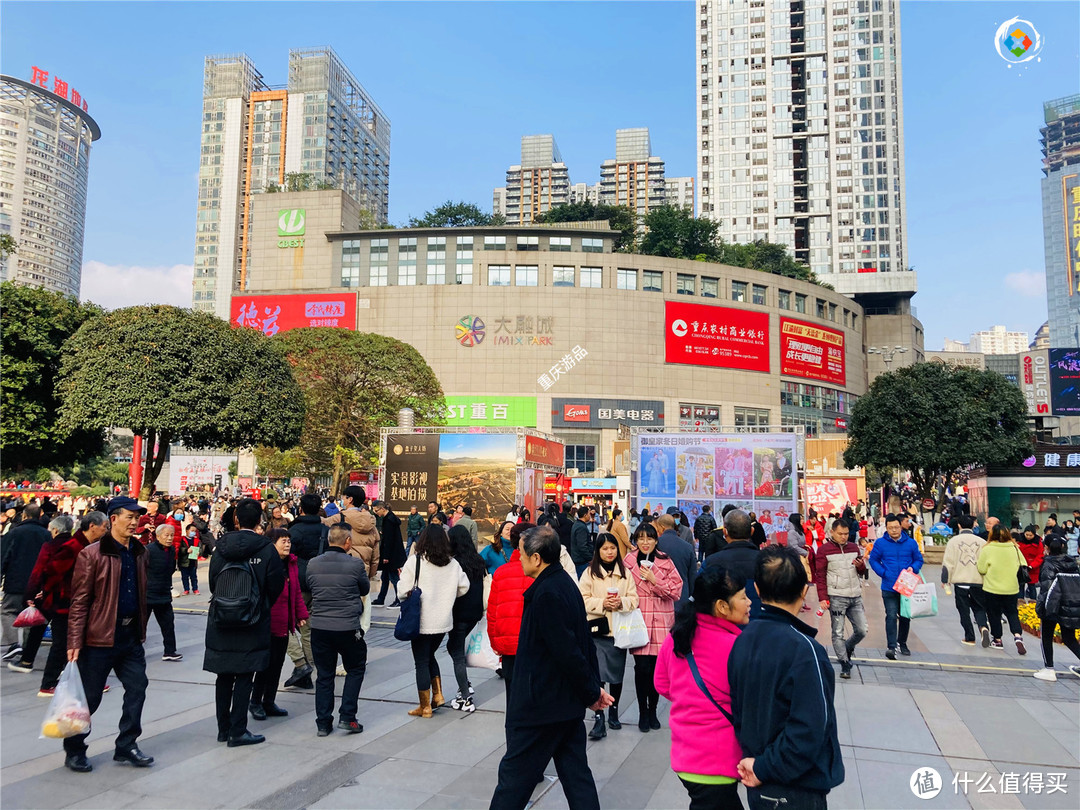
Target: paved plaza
[973,715]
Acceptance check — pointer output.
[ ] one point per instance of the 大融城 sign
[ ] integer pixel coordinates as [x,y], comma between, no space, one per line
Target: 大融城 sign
[703,335]
[271,314]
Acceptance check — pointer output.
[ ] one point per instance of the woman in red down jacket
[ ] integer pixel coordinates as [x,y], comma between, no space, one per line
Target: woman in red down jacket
[506,602]
[1031,546]
[287,614]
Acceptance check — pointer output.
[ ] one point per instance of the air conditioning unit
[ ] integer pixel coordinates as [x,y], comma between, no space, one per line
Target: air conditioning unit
[600,472]
[573,472]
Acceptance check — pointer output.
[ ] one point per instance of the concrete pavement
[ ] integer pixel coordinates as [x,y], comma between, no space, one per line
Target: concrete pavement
[970,714]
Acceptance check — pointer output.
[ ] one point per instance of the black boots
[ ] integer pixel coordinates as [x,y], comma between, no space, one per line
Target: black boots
[599,730]
[613,718]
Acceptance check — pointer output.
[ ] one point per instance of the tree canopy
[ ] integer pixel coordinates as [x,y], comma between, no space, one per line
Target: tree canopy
[35,325]
[933,420]
[452,215]
[355,383]
[676,233]
[621,219]
[8,245]
[768,257]
[170,375]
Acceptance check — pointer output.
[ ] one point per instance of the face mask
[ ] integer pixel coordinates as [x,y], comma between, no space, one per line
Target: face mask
[178,515]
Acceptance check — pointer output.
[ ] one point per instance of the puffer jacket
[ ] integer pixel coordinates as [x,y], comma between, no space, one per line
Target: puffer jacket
[890,557]
[1059,595]
[365,536]
[834,570]
[505,605]
[1033,554]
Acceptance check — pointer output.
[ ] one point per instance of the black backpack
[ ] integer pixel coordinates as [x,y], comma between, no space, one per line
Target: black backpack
[237,601]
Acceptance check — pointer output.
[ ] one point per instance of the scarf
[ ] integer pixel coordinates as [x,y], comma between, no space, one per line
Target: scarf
[608,568]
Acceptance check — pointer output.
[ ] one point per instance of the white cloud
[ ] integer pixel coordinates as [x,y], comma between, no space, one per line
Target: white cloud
[1028,283]
[114,286]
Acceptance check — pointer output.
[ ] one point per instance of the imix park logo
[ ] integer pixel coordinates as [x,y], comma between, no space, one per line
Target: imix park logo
[291,221]
[1018,42]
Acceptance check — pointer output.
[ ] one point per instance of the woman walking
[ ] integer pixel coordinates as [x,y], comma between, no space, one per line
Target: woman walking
[607,590]
[616,527]
[441,581]
[1058,604]
[693,661]
[497,553]
[999,563]
[658,586]
[468,610]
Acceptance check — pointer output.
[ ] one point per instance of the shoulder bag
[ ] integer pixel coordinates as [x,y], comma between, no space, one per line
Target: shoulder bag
[408,622]
[1023,573]
[704,689]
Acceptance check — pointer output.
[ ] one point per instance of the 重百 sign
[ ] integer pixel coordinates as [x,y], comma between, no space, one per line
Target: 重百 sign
[486,411]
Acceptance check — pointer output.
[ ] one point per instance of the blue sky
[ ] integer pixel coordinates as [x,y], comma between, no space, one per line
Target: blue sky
[491,446]
[461,82]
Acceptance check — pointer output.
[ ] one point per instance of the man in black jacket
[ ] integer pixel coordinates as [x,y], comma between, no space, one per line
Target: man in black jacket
[581,541]
[236,653]
[391,551]
[160,567]
[21,547]
[740,554]
[681,553]
[308,535]
[555,678]
[782,691]
[704,524]
[566,524]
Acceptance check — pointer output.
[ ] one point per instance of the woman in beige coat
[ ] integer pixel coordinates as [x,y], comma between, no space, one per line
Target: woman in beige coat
[607,589]
[618,528]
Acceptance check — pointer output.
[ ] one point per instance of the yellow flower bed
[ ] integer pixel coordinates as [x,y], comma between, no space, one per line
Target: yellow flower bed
[1033,623]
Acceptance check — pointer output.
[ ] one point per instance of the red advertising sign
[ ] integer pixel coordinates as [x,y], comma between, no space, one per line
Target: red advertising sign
[702,335]
[577,413]
[543,451]
[812,352]
[828,495]
[271,314]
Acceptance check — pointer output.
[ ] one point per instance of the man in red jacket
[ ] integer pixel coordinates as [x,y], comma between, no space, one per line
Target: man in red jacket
[505,605]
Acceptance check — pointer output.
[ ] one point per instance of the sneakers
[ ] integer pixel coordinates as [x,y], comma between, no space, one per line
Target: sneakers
[1020,648]
[464,705]
[1075,669]
[20,666]
[106,689]
[890,654]
[13,652]
[845,670]
[175,656]
[395,604]
[377,602]
[1045,674]
[298,675]
[196,591]
[968,642]
[340,672]
[996,644]
[187,593]
[351,726]
[985,632]
[47,692]
[904,649]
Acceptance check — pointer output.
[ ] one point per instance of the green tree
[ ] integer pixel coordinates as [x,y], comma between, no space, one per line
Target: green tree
[621,219]
[451,215]
[768,257]
[933,420]
[8,245]
[173,375]
[36,323]
[355,383]
[276,463]
[674,232]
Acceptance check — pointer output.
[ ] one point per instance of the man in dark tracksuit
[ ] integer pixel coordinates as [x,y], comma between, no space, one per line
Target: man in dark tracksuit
[555,678]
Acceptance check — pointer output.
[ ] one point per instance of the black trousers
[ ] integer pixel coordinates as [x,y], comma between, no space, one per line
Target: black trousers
[326,646]
[785,797]
[969,599]
[423,653]
[57,660]
[455,645]
[264,687]
[508,671]
[34,637]
[389,577]
[232,694]
[528,751]
[1068,638]
[127,660]
[647,696]
[713,797]
[167,622]
[997,605]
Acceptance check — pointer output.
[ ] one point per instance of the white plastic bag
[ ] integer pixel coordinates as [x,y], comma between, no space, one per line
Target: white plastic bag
[365,617]
[630,631]
[68,713]
[478,652]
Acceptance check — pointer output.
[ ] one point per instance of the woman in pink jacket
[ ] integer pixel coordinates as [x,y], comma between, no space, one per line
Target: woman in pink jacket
[704,752]
[658,586]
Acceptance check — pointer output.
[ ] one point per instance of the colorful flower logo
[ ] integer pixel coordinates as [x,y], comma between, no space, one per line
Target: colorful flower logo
[1017,41]
[470,331]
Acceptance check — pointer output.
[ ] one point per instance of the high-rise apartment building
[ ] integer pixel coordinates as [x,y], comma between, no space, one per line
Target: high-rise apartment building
[45,138]
[585,192]
[538,183]
[995,340]
[679,191]
[320,130]
[1061,218]
[635,178]
[800,136]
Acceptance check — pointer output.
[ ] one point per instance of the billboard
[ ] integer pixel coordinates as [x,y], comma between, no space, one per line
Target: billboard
[480,470]
[697,418]
[196,472]
[1035,381]
[606,413]
[271,314]
[703,335]
[1065,382]
[490,411]
[811,352]
[828,495]
[754,471]
[1070,192]
[412,471]
[544,451]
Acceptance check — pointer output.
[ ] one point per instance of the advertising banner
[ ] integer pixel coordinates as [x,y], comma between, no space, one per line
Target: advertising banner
[828,495]
[532,491]
[1035,381]
[544,451]
[271,314]
[753,471]
[1070,191]
[196,472]
[606,413]
[1065,382]
[412,471]
[703,335]
[490,411]
[812,352]
[480,470]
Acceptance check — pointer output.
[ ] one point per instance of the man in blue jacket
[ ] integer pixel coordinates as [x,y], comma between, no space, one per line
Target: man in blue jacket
[555,678]
[782,691]
[893,554]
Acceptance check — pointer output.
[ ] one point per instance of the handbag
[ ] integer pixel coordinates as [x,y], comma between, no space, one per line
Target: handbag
[599,627]
[704,689]
[1023,573]
[630,630]
[408,621]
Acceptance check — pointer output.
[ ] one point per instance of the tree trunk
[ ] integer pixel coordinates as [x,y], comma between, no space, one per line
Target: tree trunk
[155,461]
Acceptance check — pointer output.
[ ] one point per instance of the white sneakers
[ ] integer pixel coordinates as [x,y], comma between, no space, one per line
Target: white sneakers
[1045,674]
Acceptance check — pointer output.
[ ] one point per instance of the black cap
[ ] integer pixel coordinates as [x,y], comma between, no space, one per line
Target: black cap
[124,502]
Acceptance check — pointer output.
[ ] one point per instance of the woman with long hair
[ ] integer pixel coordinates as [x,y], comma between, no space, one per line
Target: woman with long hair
[704,751]
[497,553]
[616,527]
[999,563]
[468,610]
[607,589]
[442,581]
[659,586]
[1031,546]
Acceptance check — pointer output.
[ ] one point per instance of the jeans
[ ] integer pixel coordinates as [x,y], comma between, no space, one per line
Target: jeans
[232,694]
[455,645]
[300,641]
[851,609]
[408,545]
[388,578]
[1002,604]
[10,607]
[57,660]
[423,653]
[712,797]
[326,646]
[264,687]
[969,599]
[892,616]
[127,659]
[528,751]
[647,696]
[190,577]
[1068,637]
[167,623]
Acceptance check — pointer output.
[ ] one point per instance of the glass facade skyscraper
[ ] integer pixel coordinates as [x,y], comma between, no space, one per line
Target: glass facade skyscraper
[1061,218]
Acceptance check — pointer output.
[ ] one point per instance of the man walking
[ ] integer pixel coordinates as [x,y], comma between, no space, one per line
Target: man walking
[554,649]
[894,553]
[960,569]
[782,692]
[21,547]
[246,578]
[836,574]
[704,524]
[308,535]
[413,529]
[338,582]
[391,552]
[107,630]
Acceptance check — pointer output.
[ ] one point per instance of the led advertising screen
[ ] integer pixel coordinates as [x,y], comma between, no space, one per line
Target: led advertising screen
[812,352]
[271,314]
[703,335]
[1065,382]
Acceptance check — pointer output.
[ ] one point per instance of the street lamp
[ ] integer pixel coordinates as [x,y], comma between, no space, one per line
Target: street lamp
[887,353]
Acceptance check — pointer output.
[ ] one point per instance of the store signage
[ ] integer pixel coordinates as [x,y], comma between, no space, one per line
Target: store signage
[462,411]
[841,423]
[1048,459]
[812,352]
[606,413]
[1065,382]
[291,225]
[544,451]
[412,470]
[59,87]
[702,335]
[520,330]
[271,314]
[579,484]
[1070,191]
[703,418]
[1035,381]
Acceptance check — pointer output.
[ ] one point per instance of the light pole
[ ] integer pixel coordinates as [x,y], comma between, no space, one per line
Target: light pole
[887,353]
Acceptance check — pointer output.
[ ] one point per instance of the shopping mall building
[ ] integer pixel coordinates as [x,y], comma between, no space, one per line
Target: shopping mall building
[549,327]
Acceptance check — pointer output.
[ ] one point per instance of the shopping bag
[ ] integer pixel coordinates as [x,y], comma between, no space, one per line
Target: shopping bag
[906,583]
[68,713]
[630,631]
[478,652]
[921,603]
[365,617]
[31,617]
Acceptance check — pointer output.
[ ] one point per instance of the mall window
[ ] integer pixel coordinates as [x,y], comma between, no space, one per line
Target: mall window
[710,287]
[582,456]
[820,308]
[499,275]
[832,312]
[463,274]
[559,243]
[378,254]
[591,277]
[592,245]
[626,279]
[685,284]
[800,303]
[562,276]
[407,262]
[525,275]
[652,281]
[783,299]
[758,293]
[528,243]
[494,243]
[738,291]
[751,417]
[350,263]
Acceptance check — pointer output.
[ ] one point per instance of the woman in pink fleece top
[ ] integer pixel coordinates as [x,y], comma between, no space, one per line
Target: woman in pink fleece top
[704,752]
